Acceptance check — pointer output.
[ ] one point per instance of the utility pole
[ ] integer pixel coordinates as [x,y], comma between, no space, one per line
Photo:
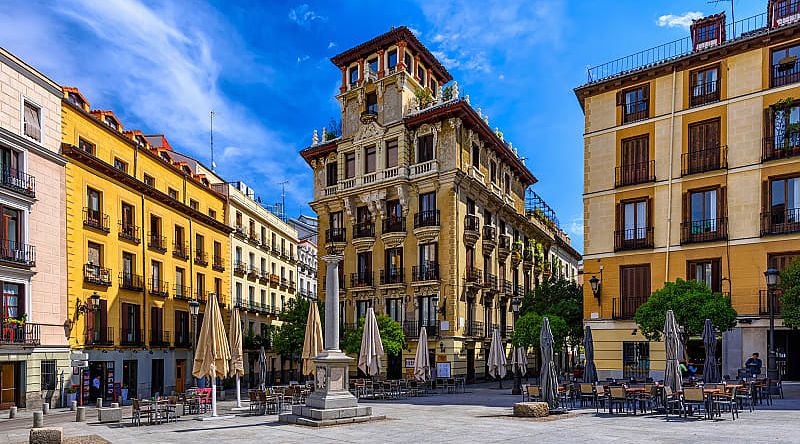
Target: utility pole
[282,212]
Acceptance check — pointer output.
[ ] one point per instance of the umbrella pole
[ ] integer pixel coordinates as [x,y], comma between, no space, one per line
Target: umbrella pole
[238,392]
[214,396]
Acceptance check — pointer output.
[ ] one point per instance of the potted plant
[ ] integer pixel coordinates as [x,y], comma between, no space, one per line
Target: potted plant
[72,394]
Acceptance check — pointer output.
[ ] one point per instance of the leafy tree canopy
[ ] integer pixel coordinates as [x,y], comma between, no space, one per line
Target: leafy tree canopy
[692,302]
[391,332]
[529,328]
[288,338]
[790,301]
[557,297]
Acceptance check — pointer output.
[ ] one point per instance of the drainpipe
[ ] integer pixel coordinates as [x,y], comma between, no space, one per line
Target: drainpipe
[144,250]
[669,177]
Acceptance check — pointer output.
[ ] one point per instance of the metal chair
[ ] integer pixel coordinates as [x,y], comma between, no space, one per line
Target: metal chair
[694,397]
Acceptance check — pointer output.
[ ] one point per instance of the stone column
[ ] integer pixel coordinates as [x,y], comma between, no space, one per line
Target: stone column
[343,88]
[381,71]
[361,75]
[332,301]
[401,56]
[415,69]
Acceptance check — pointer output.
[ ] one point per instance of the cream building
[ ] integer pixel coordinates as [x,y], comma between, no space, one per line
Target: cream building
[307,269]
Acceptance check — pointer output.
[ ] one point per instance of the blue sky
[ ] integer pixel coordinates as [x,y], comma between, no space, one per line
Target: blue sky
[264,68]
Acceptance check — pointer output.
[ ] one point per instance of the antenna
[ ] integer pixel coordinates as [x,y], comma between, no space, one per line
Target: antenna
[213,165]
[282,212]
[716,2]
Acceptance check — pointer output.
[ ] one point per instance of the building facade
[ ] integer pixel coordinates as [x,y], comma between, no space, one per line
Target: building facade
[145,234]
[426,203]
[306,226]
[692,172]
[307,269]
[34,352]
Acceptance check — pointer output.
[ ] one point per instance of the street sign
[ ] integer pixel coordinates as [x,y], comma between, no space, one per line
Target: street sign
[78,356]
[80,364]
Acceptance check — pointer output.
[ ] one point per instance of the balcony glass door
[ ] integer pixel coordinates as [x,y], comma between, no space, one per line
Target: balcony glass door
[426,312]
[785,202]
[704,211]
[635,220]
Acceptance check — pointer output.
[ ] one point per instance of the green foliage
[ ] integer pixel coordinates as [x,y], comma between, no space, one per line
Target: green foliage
[256,341]
[447,92]
[692,302]
[391,332]
[424,97]
[790,301]
[288,338]
[529,327]
[334,129]
[557,297]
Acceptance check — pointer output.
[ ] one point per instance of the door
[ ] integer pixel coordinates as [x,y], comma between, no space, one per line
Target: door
[704,151]
[395,367]
[470,366]
[130,377]
[180,375]
[157,378]
[8,384]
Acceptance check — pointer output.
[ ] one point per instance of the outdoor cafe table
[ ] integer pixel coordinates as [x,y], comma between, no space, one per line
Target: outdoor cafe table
[160,409]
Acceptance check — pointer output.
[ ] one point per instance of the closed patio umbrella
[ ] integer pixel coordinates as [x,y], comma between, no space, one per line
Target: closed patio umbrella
[672,373]
[519,360]
[369,358]
[422,366]
[710,369]
[497,357]
[262,369]
[213,349]
[312,343]
[589,369]
[237,358]
[548,374]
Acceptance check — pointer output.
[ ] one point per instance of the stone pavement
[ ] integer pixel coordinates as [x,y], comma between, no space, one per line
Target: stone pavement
[480,415]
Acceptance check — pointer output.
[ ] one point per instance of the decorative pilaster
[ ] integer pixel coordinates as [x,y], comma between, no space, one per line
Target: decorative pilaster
[343,88]
[361,76]
[381,71]
[401,56]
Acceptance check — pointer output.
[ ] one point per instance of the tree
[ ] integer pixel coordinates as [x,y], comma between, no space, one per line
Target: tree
[558,297]
[790,301]
[391,331]
[529,328]
[692,302]
[288,338]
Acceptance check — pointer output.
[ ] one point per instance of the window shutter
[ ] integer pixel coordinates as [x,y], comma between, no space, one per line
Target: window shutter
[722,203]
[716,276]
[621,97]
[646,92]
[686,212]
[125,326]
[768,123]
[765,203]
[104,317]
[649,213]
[619,222]
[154,327]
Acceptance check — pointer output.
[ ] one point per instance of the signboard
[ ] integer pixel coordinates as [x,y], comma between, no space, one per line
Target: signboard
[443,369]
[409,363]
[85,388]
[78,356]
[441,358]
[80,364]
[109,380]
[444,326]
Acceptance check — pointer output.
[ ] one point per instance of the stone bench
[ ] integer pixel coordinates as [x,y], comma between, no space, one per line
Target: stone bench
[46,435]
[109,414]
[531,409]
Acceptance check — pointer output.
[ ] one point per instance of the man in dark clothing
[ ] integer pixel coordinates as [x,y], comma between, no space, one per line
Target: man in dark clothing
[754,364]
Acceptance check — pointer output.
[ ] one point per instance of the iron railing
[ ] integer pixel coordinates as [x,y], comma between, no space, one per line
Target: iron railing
[100,336]
[636,173]
[428,271]
[240,267]
[335,235]
[703,93]
[159,338]
[132,336]
[780,222]
[13,332]
[764,300]
[182,292]
[392,276]
[626,307]
[781,146]
[635,111]
[201,257]
[633,239]
[95,219]
[156,242]
[708,159]
[504,241]
[219,263]
[489,232]
[412,328]
[17,253]
[19,182]
[394,225]
[158,287]
[363,229]
[130,281]
[129,232]
[471,222]
[96,275]
[475,329]
[361,279]
[428,218]
[180,250]
[473,275]
[704,230]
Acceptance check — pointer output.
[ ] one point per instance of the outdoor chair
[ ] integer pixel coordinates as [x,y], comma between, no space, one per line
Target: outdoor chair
[763,391]
[255,404]
[618,396]
[533,393]
[672,402]
[724,402]
[138,411]
[693,397]
[744,397]
[587,394]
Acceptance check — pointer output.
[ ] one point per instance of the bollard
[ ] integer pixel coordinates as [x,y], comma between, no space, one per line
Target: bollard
[114,405]
[45,408]
[80,415]
[12,412]
[38,420]
[73,405]
[99,402]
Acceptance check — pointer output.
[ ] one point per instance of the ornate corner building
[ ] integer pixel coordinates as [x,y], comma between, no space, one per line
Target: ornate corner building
[692,171]
[427,204]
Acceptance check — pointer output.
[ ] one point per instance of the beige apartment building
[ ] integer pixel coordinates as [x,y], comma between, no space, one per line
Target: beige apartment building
[427,204]
[34,350]
[692,171]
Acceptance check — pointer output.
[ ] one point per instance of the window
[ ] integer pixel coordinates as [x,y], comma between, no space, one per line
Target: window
[11,233]
[364,267]
[394,309]
[128,269]
[783,133]
[251,294]
[407,60]
[47,370]
[394,265]
[349,165]
[353,75]
[635,166]
[32,121]
[476,156]
[704,86]
[428,255]
[155,226]
[704,147]
[372,65]
[434,87]
[179,282]
[155,274]
[633,225]
[784,66]
[200,283]
[634,289]
[706,33]
[507,183]
[111,122]
[181,327]
[150,181]
[13,300]
[493,171]
[392,60]
[361,308]
[421,74]
[636,360]
[94,254]
[704,211]
[425,148]
[199,244]
[194,204]
[391,153]
[75,99]
[212,214]
[707,271]
[393,210]
[331,174]
[120,165]
[372,103]
[86,146]
[427,312]
[784,203]
[173,193]
[369,159]
[634,103]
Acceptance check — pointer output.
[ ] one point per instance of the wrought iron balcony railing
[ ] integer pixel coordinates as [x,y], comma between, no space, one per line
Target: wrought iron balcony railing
[394,225]
[428,218]
[363,230]
[636,173]
[13,333]
[473,275]
[129,232]
[157,242]
[132,336]
[704,230]
[709,159]
[489,233]
[17,253]
[18,181]
[781,146]
[392,276]
[704,93]
[471,222]
[475,329]
[780,222]
[130,281]
[95,219]
[412,329]
[201,257]
[100,336]
[183,292]
[428,271]
[361,279]
[159,338]
[633,239]
[180,250]
[157,287]
[335,235]
[219,263]
[96,275]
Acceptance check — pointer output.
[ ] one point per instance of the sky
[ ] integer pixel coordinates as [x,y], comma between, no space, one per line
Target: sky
[264,69]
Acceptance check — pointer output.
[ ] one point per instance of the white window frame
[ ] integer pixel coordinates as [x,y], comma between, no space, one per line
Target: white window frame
[22,101]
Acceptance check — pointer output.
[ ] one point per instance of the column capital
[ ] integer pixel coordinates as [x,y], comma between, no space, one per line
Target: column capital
[333,258]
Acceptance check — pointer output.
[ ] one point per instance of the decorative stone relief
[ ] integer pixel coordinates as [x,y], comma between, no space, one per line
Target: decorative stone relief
[403,197]
[348,208]
[368,131]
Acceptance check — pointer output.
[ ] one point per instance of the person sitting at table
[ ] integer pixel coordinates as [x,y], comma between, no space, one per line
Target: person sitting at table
[684,370]
[691,369]
[754,365]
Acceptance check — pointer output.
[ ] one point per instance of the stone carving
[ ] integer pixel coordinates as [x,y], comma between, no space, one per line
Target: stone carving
[324,135]
[403,198]
[348,208]
[455,90]
[368,131]
[315,138]
[320,377]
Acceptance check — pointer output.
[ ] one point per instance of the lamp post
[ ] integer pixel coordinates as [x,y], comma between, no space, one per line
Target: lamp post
[517,390]
[595,283]
[772,277]
[194,309]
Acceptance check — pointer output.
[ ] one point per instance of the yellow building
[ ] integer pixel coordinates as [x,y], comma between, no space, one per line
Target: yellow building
[692,171]
[146,234]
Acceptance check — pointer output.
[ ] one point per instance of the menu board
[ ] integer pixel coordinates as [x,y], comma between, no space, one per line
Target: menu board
[442,369]
[85,386]
[109,380]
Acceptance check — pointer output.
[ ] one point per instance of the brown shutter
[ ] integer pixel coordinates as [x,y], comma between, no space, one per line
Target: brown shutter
[689,265]
[722,203]
[716,276]
[90,317]
[649,212]
[768,123]
[646,91]
[103,317]
[686,211]
[620,97]
[765,203]
[125,325]
[619,222]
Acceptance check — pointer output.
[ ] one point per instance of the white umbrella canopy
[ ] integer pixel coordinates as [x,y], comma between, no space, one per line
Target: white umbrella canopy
[497,357]
[548,373]
[213,353]
[237,358]
[672,347]
[369,358]
[519,360]
[312,343]
[422,366]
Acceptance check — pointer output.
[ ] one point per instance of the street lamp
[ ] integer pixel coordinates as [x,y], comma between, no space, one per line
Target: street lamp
[517,390]
[772,277]
[194,309]
[595,283]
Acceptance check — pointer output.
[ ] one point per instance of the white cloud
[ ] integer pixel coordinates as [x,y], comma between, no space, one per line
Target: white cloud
[302,59]
[575,228]
[676,21]
[501,76]
[415,31]
[303,15]
[331,45]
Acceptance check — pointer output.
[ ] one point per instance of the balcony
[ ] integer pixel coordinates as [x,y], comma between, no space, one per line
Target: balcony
[253,273]
[472,276]
[158,287]
[475,329]
[633,239]
[704,93]
[180,250]
[785,73]
[506,287]
[183,339]
[201,258]
[636,173]
[13,333]
[471,232]
[780,222]
[363,230]
[96,275]
[201,296]
[18,182]
[100,336]
[635,111]
[428,218]
[183,292]
[428,271]
[129,232]
[240,232]
[263,278]
[392,276]
[489,281]
[782,146]
[412,329]
[159,338]
[394,225]
[274,279]
[156,242]
[335,235]
[132,336]
[704,230]
[489,239]
[219,263]
[709,159]
[240,268]
[626,307]
[292,286]
[284,283]
[132,282]
[253,237]
[423,169]
[95,220]
[764,300]
[15,253]
[520,291]
[361,279]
